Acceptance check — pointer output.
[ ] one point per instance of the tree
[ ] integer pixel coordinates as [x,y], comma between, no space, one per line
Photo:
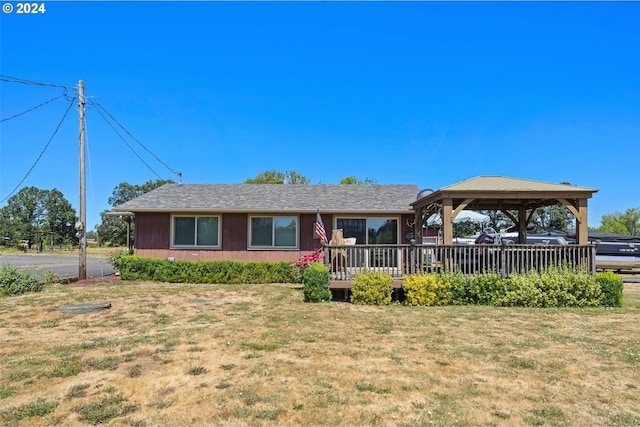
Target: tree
[60,219]
[622,223]
[113,229]
[497,220]
[277,177]
[293,177]
[351,179]
[267,177]
[35,215]
[556,217]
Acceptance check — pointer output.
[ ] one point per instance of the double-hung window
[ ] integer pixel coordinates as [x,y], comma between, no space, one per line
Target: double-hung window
[277,232]
[195,231]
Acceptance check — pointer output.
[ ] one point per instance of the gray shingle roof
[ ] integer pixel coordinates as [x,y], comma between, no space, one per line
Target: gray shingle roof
[299,198]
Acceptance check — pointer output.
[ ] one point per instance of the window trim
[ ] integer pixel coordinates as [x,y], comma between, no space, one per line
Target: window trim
[172,236]
[272,247]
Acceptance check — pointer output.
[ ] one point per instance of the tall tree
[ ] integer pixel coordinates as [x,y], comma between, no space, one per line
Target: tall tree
[113,229]
[267,177]
[60,219]
[293,177]
[556,217]
[277,177]
[34,215]
[622,223]
[351,179]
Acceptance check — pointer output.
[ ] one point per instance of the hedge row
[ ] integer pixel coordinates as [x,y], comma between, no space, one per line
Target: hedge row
[555,287]
[133,267]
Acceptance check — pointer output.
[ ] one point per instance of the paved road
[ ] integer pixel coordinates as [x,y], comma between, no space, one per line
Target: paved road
[66,266]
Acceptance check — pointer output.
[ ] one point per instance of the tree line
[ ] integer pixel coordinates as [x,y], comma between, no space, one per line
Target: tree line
[41,217]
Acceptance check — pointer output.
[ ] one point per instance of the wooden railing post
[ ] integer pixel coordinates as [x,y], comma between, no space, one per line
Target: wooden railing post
[503,260]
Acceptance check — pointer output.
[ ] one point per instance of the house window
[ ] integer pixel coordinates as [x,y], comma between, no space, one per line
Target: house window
[274,232]
[371,231]
[190,231]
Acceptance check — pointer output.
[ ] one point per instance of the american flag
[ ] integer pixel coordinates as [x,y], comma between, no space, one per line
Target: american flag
[320,231]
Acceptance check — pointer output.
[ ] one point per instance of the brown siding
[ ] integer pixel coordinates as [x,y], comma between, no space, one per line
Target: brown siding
[153,240]
[152,231]
[308,239]
[234,232]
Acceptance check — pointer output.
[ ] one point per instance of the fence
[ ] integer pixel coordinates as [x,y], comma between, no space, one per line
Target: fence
[345,261]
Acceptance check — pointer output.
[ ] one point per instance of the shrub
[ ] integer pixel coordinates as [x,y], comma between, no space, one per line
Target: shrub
[133,267]
[429,289]
[564,287]
[306,260]
[315,279]
[372,288]
[484,289]
[521,291]
[115,258]
[612,286]
[14,282]
[50,277]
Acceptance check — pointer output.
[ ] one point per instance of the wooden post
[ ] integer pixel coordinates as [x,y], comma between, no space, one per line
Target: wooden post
[81,225]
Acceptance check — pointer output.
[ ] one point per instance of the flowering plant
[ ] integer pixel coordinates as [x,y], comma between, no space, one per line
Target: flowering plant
[306,260]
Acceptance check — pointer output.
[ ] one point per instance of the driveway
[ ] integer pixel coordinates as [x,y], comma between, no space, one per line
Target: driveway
[66,266]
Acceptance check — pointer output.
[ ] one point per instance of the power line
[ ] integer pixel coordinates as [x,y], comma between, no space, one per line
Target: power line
[9,79]
[126,143]
[33,108]
[98,105]
[41,153]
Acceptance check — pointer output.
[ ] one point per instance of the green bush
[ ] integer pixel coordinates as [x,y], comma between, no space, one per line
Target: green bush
[612,286]
[133,267]
[115,258]
[315,279]
[50,277]
[521,291]
[372,288]
[429,289]
[484,289]
[14,282]
[564,287]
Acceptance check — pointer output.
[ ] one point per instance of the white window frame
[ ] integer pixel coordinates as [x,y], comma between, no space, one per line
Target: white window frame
[195,230]
[273,236]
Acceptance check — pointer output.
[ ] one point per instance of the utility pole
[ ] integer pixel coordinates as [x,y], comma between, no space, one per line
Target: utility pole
[81,225]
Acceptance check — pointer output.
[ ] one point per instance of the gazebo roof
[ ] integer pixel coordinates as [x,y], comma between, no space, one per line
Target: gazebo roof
[503,193]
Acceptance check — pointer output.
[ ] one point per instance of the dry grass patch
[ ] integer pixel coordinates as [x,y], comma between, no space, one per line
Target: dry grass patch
[257,355]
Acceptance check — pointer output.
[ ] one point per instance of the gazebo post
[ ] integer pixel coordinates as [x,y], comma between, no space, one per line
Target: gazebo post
[447,221]
[582,230]
[522,225]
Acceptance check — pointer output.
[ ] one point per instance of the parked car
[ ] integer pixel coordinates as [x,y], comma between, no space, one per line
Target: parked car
[532,239]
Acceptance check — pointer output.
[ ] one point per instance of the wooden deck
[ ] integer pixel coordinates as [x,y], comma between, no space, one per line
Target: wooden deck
[345,262]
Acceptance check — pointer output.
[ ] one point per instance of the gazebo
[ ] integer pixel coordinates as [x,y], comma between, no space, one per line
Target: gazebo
[508,195]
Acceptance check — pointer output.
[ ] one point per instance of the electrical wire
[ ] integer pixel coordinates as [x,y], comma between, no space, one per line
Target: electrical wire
[9,79]
[41,153]
[101,107]
[33,108]
[126,143]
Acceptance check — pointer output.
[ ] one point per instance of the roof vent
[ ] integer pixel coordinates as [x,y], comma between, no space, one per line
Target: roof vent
[424,193]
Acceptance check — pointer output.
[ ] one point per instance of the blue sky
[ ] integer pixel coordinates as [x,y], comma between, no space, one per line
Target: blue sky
[425,93]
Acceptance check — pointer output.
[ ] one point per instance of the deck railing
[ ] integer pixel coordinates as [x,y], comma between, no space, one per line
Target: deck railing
[345,262]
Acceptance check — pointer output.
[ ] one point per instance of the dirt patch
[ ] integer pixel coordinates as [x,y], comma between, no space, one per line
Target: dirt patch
[100,280]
